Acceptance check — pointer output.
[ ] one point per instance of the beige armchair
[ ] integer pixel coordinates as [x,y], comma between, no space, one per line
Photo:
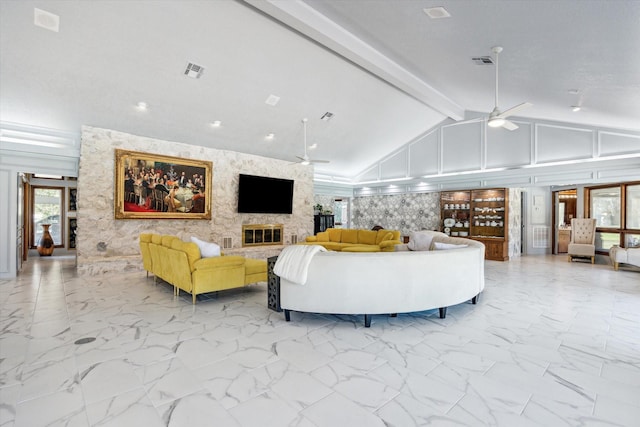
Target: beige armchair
[583,236]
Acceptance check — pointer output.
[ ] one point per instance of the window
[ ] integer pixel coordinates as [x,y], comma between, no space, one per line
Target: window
[633,241]
[47,209]
[616,209]
[604,241]
[605,207]
[633,207]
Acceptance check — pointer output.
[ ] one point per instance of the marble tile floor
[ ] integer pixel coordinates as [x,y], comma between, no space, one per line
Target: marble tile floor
[550,343]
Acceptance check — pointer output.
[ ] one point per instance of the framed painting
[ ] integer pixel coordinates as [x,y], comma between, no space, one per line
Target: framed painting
[152,186]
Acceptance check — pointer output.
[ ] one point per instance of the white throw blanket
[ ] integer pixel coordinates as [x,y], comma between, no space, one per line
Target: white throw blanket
[293,262]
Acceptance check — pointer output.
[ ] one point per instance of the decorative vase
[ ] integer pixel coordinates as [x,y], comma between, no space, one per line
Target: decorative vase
[46,245]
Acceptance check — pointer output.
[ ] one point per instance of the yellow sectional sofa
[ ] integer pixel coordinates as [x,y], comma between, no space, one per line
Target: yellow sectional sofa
[356,240]
[180,264]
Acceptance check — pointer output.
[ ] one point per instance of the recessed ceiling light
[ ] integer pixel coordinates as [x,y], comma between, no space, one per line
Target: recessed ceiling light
[47,20]
[216,123]
[142,105]
[575,108]
[437,12]
[272,100]
[270,136]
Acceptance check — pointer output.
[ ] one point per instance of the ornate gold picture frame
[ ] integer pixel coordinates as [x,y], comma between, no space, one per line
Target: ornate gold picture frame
[152,186]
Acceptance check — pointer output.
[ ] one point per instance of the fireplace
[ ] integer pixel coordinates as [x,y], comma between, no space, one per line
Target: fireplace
[262,234]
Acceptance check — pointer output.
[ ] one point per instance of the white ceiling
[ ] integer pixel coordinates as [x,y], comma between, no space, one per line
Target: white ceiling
[108,55]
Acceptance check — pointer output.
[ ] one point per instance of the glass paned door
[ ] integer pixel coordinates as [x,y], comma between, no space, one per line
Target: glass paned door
[47,209]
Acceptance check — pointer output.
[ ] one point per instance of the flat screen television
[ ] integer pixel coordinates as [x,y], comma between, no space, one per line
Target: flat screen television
[261,194]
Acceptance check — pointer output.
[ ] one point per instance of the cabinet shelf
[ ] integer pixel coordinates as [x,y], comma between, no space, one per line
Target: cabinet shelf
[485,206]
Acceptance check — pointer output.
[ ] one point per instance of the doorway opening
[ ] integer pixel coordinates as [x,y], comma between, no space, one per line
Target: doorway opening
[565,209]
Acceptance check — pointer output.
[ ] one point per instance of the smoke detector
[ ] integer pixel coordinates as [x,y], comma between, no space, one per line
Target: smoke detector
[193,70]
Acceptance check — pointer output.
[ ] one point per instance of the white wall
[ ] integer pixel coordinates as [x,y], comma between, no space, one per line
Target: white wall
[471,155]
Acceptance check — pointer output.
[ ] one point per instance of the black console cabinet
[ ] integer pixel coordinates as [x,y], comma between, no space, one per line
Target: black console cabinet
[322,222]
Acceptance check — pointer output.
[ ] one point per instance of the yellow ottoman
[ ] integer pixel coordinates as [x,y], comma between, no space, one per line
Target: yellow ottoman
[255,270]
[371,248]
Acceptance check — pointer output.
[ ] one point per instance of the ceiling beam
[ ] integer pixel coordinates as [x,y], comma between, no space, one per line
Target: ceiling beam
[308,21]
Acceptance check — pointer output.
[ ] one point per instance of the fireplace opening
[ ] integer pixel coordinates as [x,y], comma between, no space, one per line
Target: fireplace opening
[262,234]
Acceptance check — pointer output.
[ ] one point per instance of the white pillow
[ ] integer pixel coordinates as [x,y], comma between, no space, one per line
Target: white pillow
[207,250]
[420,241]
[439,246]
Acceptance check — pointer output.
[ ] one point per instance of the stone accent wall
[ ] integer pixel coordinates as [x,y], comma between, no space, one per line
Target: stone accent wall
[107,244]
[405,212]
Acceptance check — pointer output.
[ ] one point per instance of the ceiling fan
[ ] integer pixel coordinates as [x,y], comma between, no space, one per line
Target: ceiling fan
[304,159]
[496,117]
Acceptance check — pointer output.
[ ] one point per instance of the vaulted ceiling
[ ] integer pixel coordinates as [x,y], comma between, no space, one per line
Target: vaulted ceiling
[386,71]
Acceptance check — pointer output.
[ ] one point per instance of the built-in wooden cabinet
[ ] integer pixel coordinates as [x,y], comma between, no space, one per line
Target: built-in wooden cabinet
[480,215]
[564,237]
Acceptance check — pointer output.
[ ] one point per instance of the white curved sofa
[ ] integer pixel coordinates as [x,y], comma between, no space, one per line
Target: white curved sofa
[388,282]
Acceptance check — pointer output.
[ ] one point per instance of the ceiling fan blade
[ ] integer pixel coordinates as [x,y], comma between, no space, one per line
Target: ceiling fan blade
[319,161]
[301,158]
[509,125]
[511,111]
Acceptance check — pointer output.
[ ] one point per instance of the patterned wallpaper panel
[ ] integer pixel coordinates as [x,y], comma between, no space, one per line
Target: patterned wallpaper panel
[515,222]
[404,212]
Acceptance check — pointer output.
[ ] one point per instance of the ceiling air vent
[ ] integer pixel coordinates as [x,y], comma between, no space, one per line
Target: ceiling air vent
[483,60]
[326,116]
[193,70]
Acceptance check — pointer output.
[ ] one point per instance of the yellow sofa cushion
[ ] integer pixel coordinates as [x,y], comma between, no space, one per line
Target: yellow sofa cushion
[383,235]
[334,234]
[367,237]
[167,240]
[349,235]
[322,236]
[191,249]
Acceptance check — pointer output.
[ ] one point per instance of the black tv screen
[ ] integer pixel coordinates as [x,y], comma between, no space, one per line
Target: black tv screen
[260,194]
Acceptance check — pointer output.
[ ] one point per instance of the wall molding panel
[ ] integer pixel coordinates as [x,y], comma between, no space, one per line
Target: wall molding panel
[471,155]
[560,143]
[613,143]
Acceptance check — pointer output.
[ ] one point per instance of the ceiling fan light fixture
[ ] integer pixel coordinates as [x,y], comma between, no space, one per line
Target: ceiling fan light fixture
[305,162]
[496,122]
